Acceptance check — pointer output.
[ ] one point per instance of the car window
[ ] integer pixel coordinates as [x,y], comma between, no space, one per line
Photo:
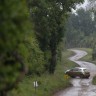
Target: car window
[85,70]
[79,70]
[72,70]
[76,70]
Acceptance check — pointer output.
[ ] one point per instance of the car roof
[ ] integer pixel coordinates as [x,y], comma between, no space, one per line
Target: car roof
[79,68]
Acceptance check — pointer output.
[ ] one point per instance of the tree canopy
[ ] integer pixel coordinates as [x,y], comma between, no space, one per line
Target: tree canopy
[81,30]
[49,17]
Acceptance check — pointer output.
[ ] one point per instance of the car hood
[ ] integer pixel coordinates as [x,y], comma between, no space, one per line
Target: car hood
[66,71]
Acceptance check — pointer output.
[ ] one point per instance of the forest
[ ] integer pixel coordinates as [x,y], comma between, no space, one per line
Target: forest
[80,28]
[33,34]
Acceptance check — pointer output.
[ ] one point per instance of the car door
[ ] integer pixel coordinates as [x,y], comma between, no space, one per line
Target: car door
[72,72]
[76,72]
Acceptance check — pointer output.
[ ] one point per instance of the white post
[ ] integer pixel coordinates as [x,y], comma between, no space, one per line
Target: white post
[35,85]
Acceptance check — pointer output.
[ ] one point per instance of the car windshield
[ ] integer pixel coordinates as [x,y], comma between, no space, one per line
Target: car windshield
[76,69]
[85,70]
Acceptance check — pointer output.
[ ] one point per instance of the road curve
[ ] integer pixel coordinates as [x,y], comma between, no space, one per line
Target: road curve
[81,87]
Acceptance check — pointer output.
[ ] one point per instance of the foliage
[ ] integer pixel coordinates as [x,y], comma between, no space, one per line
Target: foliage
[94,80]
[80,30]
[19,46]
[49,18]
[94,54]
[35,57]
[13,26]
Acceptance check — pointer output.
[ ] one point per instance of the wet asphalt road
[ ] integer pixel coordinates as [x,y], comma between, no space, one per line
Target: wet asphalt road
[81,87]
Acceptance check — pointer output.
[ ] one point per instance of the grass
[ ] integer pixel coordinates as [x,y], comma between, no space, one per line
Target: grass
[48,84]
[94,80]
[89,56]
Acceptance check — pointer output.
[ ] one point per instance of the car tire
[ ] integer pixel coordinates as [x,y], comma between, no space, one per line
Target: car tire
[87,77]
[81,76]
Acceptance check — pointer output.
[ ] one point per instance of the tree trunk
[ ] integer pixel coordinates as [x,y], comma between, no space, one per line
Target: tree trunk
[52,61]
[3,93]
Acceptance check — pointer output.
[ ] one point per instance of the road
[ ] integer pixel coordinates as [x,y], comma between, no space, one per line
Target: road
[81,87]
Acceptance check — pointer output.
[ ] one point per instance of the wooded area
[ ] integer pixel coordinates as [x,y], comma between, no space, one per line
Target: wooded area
[81,30]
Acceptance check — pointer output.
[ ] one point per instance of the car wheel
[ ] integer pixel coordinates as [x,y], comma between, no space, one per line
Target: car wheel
[81,76]
[87,77]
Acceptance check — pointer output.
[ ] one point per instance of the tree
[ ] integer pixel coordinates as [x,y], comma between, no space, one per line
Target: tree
[48,17]
[13,26]
[80,30]
[34,56]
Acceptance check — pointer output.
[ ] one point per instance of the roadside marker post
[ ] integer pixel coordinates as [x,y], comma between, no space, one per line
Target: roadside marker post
[35,86]
[66,76]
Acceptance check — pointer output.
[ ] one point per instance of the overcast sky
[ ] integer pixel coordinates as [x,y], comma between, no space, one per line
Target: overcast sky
[83,5]
[80,6]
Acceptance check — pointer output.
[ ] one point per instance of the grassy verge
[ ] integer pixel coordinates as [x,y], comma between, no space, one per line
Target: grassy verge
[89,56]
[48,84]
[94,80]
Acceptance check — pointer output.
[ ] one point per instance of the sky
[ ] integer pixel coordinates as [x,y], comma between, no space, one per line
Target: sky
[80,6]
